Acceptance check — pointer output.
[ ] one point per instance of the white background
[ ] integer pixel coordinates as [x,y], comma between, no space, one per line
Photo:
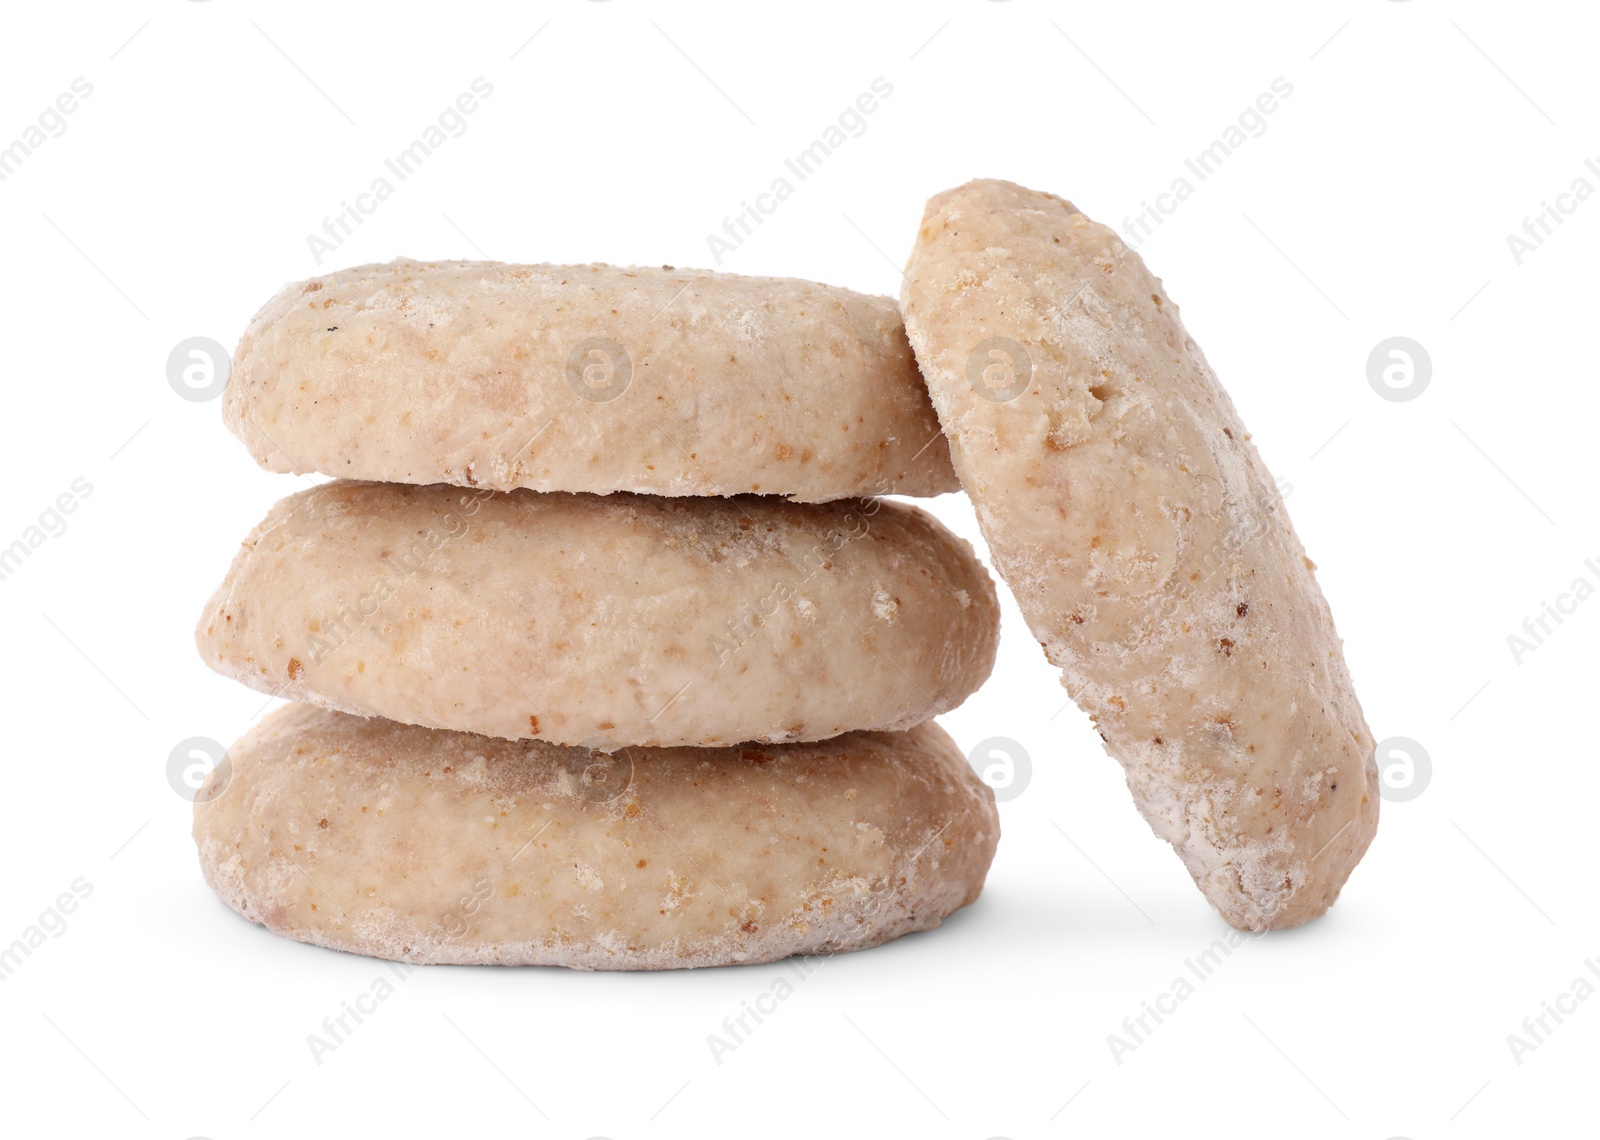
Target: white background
[1377,203]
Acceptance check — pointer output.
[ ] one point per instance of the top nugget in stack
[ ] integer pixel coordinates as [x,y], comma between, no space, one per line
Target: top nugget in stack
[594,726]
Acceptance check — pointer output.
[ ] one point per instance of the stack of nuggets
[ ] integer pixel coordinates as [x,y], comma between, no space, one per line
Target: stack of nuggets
[612,658]
[708,714]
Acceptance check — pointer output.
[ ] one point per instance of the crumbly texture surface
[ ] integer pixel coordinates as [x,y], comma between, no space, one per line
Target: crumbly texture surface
[441,847]
[605,621]
[1147,546]
[587,378]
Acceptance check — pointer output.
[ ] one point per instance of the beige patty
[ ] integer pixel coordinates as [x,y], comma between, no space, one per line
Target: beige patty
[1146,544]
[587,378]
[427,846]
[605,621]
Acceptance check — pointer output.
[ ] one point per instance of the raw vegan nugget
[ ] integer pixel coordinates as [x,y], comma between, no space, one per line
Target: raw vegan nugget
[426,846]
[1146,544]
[587,378]
[605,620]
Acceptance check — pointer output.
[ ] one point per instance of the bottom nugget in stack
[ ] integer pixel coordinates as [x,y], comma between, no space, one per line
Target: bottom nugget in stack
[429,846]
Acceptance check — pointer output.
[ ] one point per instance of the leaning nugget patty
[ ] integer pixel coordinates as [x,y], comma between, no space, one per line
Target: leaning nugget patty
[1147,545]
